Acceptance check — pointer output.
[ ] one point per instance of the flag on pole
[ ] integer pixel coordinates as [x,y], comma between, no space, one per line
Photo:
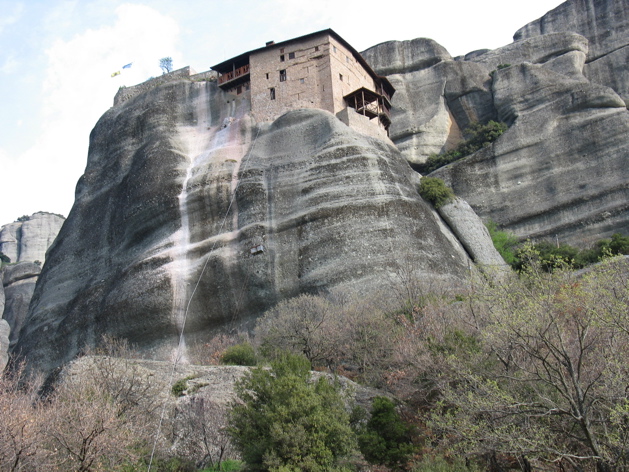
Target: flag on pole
[128,66]
[115,73]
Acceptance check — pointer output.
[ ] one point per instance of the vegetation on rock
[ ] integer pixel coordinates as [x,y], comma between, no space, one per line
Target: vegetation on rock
[435,191]
[478,136]
[285,422]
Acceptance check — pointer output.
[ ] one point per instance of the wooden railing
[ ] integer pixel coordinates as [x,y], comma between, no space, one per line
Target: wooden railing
[233,74]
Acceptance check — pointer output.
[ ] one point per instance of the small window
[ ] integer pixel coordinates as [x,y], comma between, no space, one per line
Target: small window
[272,93]
[239,90]
[283,75]
[282,58]
[247,85]
[347,59]
[301,81]
[281,50]
[267,76]
[316,48]
[291,55]
[333,48]
[341,77]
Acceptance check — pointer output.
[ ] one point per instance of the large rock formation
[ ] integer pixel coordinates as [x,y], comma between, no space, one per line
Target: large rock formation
[25,242]
[18,283]
[155,238]
[560,170]
[189,213]
[28,240]
[605,24]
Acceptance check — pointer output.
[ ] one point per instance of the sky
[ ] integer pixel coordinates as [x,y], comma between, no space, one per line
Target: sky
[57,58]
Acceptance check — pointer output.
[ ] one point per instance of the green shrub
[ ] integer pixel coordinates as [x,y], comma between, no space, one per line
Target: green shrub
[240,354]
[386,439]
[435,191]
[478,136]
[4,258]
[285,422]
[181,386]
[504,242]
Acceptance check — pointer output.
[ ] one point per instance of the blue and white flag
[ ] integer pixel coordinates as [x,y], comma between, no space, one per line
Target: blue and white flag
[128,66]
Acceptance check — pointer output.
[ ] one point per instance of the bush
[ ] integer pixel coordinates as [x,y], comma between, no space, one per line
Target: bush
[435,191]
[4,259]
[386,439]
[240,354]
[504,242]
[478,136]
[283,421]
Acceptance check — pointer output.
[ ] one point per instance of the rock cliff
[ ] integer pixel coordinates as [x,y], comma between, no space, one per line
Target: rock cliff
[605,24]
[560,170]
[18,282]
[192,215]
[181,187]
[29,240]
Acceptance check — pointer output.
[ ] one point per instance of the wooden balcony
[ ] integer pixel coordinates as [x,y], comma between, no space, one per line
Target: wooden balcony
[235,77]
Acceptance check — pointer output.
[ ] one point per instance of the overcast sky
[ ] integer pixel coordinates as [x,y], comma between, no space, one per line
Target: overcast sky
[57,57]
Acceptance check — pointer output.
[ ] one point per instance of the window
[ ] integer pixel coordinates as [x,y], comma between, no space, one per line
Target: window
[316,48]
[281,50]
[239,90]
[333,48]
[282,58]
[291,55]
[267,76]
[283,75]
[347,59]
[272,93]
[301,81]
[341,77]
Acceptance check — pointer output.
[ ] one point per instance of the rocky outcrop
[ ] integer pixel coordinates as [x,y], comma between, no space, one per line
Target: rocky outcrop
[29,240]
[474,236]
[4,344]
[560,170]
[605,24]
[156,239]
[402,57]
[18,284]
[4,332]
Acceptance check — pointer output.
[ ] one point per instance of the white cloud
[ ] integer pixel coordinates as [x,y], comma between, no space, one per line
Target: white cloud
[7,18]
[77,90]
[9,65]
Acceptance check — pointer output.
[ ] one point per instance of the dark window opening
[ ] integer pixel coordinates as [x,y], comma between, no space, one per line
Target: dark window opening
[301,81]
[283,75]
[272,93]
[291,55]
[316,48]
[239,90]
[282,58]
[267,76]
[341,77]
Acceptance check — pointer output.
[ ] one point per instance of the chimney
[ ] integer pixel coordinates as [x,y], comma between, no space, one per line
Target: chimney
[270,43]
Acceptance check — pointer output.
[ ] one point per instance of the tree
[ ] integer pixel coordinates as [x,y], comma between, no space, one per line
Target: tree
[283,421]
[4,258]
[166,64]
[385,439]
[549,377]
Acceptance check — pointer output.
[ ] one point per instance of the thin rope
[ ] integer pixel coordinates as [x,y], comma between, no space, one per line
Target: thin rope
[185,316]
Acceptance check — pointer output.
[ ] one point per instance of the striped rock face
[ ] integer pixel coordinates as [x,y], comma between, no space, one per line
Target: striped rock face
[190,213]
